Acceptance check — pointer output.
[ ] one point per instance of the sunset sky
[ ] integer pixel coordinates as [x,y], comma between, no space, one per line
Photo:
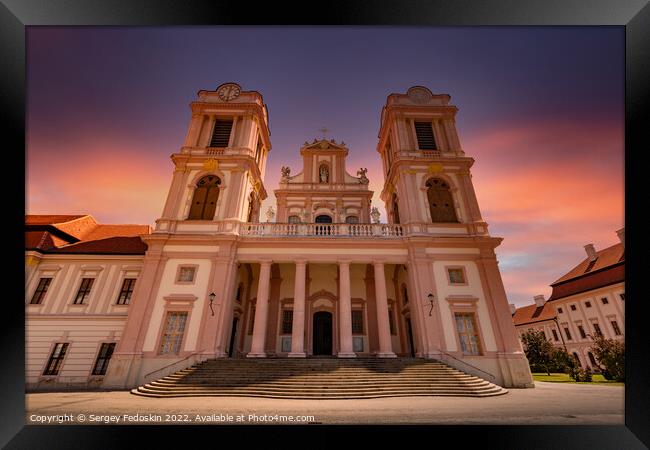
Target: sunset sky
[540,109]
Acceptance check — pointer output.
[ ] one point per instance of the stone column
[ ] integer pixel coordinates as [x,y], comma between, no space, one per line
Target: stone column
[383,328]
[345,311]
[298,326]
[261,312]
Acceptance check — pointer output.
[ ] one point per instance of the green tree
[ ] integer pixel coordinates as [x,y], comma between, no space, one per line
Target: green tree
[538,349]
[610,355]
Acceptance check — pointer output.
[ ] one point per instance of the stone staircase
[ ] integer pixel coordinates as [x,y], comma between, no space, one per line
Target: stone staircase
[319,378]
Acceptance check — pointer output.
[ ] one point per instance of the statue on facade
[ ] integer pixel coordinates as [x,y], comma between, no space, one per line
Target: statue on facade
[286,171]
[324,174]
[362,175]
[374,213]
[270,214]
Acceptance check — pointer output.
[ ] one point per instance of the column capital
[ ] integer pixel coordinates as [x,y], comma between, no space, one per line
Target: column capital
[378,262]
[344,262]
[266,262]
[301,262]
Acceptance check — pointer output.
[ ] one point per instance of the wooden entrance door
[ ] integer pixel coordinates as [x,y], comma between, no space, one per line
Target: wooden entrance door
[322,333]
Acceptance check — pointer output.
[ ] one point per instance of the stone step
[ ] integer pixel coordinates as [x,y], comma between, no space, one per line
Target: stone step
[319,379]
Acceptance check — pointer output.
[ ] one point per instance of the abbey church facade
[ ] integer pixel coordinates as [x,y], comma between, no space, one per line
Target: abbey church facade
[115,306]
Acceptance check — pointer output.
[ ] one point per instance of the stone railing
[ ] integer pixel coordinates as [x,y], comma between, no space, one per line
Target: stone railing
[321,230]
[357,230]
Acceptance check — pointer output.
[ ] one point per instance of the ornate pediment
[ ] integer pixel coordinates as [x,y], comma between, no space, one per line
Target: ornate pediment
[324,144]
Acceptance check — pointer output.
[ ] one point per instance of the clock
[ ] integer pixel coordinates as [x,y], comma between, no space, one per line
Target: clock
[228,91]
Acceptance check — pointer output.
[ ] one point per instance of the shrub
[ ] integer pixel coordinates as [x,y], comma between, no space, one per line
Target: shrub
[610,353]
[538,350]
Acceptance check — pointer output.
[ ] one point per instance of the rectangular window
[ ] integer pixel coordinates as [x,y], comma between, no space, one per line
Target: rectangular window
[287,321]
[567,333]
[84,290]
[186,274]
[391,321]
[617,330]
[559,310]
[555,337]
[127,290]
[583,335]
[221,133]
[597,329]
[588,304]
[456,275]
[357,322]
[173,333]
[41,290]
[251,320]
[56,358]
[103,357]
[468,333]
[604,300]
[573,307]
[258,150]
[424,132]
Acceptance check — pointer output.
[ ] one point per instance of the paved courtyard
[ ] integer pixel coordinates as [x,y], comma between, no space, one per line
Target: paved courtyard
[547,403]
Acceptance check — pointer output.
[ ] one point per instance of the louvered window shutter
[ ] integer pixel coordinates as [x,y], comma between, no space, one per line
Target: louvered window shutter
[424,132]
[221,133]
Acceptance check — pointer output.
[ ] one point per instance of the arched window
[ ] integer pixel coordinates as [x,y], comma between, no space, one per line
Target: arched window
[441,203]
[204,201]
[351,219]
[323,174]
[323,229]
[239,293]
[323,218]
[294,219]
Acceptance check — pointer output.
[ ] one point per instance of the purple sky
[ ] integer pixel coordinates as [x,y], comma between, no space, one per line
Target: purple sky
[540,109]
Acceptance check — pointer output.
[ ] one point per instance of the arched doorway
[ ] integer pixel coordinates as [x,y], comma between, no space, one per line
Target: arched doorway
[322,338]
[323,229]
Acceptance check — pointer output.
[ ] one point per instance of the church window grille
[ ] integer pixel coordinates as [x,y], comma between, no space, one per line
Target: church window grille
[468,333]
[424,133]
[357,322]
[221,133]
[173,333]
[287,321]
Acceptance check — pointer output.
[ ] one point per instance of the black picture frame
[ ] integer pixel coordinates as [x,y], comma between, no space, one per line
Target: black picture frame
[634,15]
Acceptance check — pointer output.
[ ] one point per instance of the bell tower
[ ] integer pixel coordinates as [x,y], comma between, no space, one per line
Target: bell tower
[426,172]
[219,170]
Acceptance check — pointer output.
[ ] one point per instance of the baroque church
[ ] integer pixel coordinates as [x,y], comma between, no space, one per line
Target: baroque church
[113,306]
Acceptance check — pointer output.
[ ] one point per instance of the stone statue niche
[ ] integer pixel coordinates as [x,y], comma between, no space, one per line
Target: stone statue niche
[324,174]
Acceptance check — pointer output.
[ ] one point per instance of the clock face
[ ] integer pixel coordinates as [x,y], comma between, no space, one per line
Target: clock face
[229,92]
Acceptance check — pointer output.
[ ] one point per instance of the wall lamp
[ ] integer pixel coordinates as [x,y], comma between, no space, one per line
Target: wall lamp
[430,297]
[211,297]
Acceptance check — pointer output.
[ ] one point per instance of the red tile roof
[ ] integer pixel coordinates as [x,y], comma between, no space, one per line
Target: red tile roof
[48,219]
[532,314]
[605,258]
[82,234]
[119,245]
[609,268]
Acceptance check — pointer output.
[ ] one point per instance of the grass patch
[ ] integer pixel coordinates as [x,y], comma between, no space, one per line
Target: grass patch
[564,378]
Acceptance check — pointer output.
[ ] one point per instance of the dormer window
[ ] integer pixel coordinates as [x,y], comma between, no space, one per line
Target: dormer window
[424,133]
[221,133]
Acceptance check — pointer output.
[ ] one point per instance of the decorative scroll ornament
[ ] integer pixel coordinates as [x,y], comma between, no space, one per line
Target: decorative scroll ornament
[210,164]
[435,168]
